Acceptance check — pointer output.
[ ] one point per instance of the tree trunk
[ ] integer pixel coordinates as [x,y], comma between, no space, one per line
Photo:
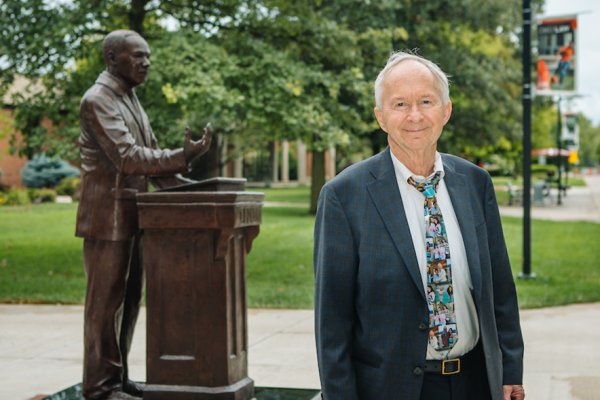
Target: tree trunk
[318,179]
[137,14]
[274,162]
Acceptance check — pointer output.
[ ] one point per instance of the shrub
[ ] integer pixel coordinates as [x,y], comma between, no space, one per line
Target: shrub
[3,186]
[544,171]
[497,165]
[17,197]
[42,171]
[69,186]
[42,195]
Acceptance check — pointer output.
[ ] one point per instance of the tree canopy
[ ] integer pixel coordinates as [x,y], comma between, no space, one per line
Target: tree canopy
[268,69]
[589,139]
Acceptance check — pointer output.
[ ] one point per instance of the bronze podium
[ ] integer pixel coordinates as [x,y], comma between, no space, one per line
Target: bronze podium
[195,245]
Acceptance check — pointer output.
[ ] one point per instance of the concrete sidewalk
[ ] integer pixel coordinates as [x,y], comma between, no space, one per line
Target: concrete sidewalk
[579,204]
[41,350]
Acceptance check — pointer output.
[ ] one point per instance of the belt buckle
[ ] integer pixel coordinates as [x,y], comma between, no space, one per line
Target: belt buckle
[455,361]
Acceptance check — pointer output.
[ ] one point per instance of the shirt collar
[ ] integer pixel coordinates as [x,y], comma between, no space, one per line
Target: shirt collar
[115,83]
[404,173]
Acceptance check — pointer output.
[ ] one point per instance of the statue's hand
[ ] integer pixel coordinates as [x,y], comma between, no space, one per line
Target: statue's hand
[206,138]
[193,149]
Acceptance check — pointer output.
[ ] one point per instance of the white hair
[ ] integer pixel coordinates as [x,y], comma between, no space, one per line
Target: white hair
[400,56]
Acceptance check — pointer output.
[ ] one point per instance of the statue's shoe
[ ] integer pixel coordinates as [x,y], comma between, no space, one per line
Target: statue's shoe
[133,388]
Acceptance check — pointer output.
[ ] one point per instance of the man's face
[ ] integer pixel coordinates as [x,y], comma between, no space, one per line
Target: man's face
[412,113]
[133,62]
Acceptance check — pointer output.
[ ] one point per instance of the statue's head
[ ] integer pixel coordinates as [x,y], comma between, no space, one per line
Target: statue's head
[127,55]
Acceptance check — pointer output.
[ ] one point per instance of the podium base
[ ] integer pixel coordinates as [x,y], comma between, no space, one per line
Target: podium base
[241,390]
[261,393]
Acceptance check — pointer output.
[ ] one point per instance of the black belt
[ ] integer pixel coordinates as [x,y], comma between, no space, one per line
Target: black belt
[453,365]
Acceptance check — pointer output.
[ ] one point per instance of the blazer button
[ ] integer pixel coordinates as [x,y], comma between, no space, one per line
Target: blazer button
[418,371]
[422,326]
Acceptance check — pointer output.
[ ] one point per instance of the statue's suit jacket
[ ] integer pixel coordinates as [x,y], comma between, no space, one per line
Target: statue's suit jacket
[118,153]
[371,311]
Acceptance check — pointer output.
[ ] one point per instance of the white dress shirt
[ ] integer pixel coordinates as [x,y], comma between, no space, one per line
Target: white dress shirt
[413,201]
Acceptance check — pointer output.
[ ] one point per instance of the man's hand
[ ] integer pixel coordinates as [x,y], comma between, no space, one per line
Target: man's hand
[513,392]
[193,149]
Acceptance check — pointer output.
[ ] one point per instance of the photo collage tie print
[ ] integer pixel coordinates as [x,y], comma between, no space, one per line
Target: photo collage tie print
[443,333]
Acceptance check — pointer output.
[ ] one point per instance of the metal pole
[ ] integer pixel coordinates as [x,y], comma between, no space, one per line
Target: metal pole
[526,141]
[559,146]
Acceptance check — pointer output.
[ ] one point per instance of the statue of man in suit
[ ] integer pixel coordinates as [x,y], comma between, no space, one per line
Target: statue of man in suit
[379,334]
[119,155]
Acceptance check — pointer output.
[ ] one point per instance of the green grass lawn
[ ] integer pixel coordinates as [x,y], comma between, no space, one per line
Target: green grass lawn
[299,195]
[565,258]
[41,260]
[280,266]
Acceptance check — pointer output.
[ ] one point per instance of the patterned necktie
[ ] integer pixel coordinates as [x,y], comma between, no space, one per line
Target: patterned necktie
[443,333]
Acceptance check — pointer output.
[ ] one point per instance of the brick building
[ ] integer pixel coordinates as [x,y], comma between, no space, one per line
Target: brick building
[10,165]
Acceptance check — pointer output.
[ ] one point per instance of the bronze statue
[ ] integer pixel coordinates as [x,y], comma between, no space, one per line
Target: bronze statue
[119,155]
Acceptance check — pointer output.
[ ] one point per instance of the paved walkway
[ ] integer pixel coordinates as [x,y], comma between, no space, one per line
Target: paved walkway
[579,204]
[41,350]
[41,346]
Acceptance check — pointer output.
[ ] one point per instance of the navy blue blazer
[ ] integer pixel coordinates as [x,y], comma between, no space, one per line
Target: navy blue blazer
[370,306]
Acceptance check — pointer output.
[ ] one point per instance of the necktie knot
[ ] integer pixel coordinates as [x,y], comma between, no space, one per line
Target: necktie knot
[426,186]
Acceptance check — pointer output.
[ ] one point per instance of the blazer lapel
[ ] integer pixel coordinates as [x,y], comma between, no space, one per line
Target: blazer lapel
[142,120]
[386,197]
[460,194]
[136,112]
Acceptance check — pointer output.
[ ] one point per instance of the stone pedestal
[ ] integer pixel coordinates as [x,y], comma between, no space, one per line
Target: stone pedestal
[194,251]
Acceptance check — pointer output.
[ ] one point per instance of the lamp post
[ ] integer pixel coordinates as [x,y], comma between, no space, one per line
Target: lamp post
[526,274]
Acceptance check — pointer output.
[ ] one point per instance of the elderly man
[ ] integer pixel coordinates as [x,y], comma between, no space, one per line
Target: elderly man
[118,155]
[377,334]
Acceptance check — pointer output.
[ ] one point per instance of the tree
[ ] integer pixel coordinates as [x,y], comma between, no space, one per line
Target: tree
[232,62]
[589,142]
[328,88]
[266,70]
[544,119]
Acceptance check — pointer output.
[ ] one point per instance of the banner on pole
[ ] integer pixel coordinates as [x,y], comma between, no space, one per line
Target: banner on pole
[557,56]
